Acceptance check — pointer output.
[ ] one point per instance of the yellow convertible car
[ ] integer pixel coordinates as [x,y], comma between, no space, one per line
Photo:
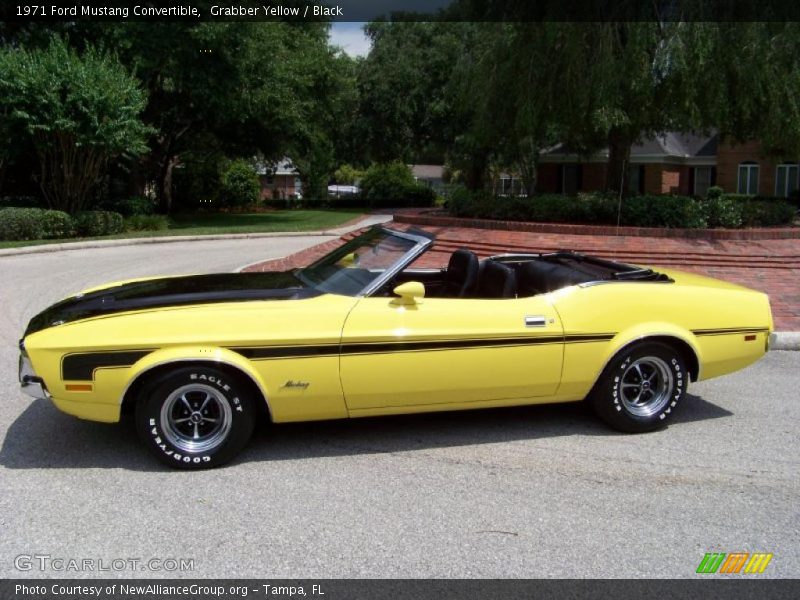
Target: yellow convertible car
[361,332]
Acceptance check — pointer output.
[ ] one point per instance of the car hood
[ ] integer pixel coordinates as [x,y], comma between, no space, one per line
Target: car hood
[170,292]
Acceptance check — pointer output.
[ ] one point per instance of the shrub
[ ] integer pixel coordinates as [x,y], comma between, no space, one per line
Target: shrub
[56,224]
[98,222]
[347,175]
[135,205]
[385,181]
[714,192]
[240,184]
[766,212]
[393,185]
[722,211]
[146,223]
[20,224]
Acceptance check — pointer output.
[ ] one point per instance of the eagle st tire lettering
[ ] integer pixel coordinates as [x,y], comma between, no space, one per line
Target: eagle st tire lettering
[195,417]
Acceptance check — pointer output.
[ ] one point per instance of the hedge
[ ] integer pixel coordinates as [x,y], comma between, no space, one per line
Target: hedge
[92,223]
[19,224]
[726,210]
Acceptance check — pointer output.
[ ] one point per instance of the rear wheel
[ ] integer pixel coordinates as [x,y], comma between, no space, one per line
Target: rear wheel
[195,417]
[641,388]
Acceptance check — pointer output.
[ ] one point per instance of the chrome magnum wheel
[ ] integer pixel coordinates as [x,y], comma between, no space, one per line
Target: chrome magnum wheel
[196,417]
[645,386]
[641,387]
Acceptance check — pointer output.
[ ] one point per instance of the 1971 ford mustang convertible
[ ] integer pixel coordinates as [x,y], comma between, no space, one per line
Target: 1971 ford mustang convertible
[360,333]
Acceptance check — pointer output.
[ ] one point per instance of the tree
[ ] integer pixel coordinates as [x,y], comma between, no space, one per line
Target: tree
[81,111]
[753,93]
[406,103]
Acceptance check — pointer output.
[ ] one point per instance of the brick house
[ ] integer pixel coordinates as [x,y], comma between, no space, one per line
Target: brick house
[279,180]
[671,163]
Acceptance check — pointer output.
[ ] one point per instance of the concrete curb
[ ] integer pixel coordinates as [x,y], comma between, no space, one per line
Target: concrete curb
[156,240]
[334,232]
[785,340]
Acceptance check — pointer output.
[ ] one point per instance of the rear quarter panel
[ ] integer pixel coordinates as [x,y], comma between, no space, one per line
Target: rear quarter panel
[709,315]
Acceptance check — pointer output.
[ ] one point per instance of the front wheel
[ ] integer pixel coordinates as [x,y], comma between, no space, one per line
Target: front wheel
[641,388]
[195,417]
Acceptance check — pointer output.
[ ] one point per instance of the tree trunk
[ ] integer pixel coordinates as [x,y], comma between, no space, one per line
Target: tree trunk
[619,158]
[136,179]
[475,172]
[165,184]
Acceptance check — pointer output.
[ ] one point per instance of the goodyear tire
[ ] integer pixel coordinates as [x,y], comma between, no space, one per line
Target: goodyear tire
[641,388]
[195,417]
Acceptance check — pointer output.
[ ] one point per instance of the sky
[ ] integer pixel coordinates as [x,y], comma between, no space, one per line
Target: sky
[350,37]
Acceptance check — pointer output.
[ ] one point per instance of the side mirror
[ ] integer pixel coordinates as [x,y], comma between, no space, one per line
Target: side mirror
[348,261]
[411,292]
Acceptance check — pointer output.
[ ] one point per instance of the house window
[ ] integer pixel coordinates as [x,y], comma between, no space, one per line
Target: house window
[636,179]
[703,177]
[786,180]
[510,186]
[748,178]
[570,179]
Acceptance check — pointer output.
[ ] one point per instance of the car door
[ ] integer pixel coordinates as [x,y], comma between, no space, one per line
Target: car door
[449,351]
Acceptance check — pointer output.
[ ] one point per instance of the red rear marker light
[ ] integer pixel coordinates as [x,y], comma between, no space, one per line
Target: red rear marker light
[750,338]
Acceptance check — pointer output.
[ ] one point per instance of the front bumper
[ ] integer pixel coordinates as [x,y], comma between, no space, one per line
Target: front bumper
[31,384]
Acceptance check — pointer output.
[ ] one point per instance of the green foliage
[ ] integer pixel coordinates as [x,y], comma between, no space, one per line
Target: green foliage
[663,211]
[347,175]
[35,224]
[386,180]
[240,185]
[21,224]
[80,111]
[729,210]
[406,104]
[714,192]
[132,206]
[392,184]
[92,223]
[56,224]
[142,222]
[767,212]
[722,211]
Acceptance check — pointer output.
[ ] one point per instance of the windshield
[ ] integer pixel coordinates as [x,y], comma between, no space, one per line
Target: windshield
[354,266]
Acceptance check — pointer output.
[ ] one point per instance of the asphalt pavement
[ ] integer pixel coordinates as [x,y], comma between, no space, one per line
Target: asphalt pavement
[527,492]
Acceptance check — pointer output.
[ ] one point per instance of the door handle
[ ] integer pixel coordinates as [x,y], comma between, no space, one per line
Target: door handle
[535,321]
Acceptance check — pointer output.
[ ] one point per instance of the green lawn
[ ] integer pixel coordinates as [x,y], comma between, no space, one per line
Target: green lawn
[217,223]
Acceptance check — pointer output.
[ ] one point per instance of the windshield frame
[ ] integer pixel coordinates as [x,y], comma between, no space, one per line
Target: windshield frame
[423,241]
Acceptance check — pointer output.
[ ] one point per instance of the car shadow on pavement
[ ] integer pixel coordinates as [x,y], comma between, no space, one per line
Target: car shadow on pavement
[43,438]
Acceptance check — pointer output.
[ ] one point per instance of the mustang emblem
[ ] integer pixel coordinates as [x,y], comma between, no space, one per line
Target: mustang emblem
[295,384]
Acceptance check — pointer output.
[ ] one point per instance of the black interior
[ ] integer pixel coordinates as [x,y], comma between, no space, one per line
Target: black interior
[518,276]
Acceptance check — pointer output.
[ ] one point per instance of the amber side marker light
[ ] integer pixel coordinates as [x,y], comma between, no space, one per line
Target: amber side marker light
[79,387]
[750,338]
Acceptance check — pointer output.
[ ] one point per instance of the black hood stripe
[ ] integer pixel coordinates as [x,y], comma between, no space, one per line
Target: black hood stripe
[173,292]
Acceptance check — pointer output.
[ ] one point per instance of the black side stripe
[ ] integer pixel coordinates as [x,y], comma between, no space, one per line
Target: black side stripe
[731,331]
[81,367]
[413,346]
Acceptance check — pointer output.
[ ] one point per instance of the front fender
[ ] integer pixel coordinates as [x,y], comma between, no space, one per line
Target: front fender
[193,354]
